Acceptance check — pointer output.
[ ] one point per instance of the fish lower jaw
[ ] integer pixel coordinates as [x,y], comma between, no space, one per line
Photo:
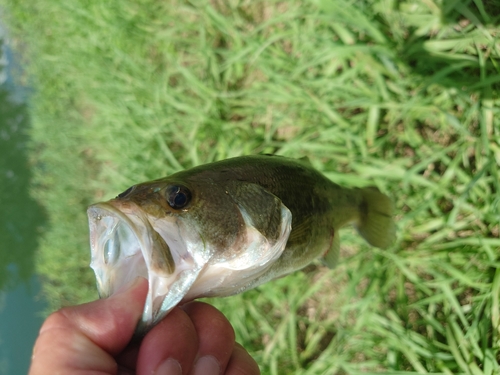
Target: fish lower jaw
[165,292]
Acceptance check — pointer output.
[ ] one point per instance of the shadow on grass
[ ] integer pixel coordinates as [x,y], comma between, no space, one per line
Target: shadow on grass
[465,60]
[486,12]
[22,218]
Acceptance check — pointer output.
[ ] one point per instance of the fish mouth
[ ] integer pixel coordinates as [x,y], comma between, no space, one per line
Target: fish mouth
[125,245]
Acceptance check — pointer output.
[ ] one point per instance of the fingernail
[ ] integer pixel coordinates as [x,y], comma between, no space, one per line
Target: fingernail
[130,285]
[206,365]
[169,367]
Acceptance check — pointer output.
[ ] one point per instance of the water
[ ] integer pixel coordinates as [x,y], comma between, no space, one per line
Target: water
[20,323]
[21,221]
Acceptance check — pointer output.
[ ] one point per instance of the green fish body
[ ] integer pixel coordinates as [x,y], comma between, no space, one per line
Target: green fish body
[225,227]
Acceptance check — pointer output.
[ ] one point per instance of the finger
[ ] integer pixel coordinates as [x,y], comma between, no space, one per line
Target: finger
[170,347]
[127,359]
[241,363]
[86,337]
[215,335]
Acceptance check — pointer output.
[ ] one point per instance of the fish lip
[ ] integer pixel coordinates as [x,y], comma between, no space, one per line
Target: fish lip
[134,252]
[108,223]
[123,245]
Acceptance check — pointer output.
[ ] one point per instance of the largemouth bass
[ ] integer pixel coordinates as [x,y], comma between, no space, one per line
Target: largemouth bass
[225,227]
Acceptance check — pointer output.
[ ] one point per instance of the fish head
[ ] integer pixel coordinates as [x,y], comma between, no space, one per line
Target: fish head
[189,237]
[146,231]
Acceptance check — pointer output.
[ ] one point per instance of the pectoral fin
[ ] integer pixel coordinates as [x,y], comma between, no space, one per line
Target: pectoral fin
[331,257]
[262,208]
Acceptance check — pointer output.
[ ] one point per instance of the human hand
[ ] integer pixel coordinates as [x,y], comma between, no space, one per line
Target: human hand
[94,338]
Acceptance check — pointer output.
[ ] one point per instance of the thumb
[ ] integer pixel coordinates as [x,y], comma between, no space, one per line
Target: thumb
[87,337]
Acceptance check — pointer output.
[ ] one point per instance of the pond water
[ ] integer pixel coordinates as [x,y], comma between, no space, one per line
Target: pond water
[21,222]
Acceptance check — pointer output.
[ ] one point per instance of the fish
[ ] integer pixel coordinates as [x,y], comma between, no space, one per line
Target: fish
[222,228]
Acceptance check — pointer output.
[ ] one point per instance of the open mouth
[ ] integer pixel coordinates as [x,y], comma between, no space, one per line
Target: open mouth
[117,246]
[124,245]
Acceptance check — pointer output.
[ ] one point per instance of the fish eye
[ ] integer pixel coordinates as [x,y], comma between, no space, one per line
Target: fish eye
[177,196]
[126,192]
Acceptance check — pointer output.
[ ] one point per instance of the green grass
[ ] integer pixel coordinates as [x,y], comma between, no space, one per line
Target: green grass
[400,94]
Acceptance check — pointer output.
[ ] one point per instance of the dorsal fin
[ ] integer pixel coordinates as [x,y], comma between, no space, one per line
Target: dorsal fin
[305,160]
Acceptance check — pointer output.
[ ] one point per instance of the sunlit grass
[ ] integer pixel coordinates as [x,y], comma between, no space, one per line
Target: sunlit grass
[403,95]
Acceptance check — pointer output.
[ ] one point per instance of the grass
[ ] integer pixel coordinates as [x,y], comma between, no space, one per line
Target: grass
[400,94]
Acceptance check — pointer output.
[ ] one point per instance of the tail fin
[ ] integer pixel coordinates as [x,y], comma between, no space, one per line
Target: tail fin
[376,224]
